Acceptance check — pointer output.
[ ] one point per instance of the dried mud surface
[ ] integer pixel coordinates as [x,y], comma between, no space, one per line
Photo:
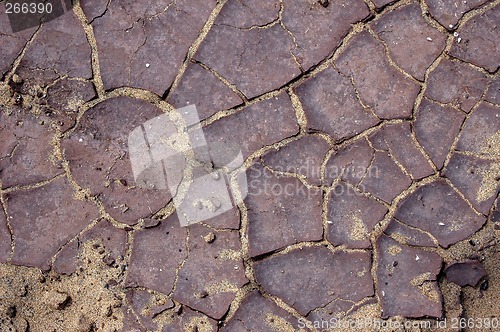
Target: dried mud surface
[370,131]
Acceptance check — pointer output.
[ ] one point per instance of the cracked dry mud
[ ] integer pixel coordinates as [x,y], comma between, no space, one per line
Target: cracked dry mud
[381,117]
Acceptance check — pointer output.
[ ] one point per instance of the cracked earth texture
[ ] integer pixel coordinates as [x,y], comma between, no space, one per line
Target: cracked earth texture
[383,117]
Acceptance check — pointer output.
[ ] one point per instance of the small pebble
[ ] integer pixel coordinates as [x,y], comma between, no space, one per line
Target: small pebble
[209,238]
[429,38]
[147,65]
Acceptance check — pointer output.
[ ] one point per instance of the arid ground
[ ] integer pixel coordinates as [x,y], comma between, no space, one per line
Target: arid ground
[370,138]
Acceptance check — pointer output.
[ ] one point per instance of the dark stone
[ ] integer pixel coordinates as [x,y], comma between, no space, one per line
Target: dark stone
[351,217]
[331,105]
[436,128]
[379,4]
[465,273]
[439,210]
[408,289]
[479,40]
[407,35]
[210,277]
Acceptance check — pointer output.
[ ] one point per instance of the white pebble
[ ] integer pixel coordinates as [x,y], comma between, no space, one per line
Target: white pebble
[429,38]
[451,26]
[329,221]
[459,39]
[440,224]
[417,258]
[147,65]
[455,34]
